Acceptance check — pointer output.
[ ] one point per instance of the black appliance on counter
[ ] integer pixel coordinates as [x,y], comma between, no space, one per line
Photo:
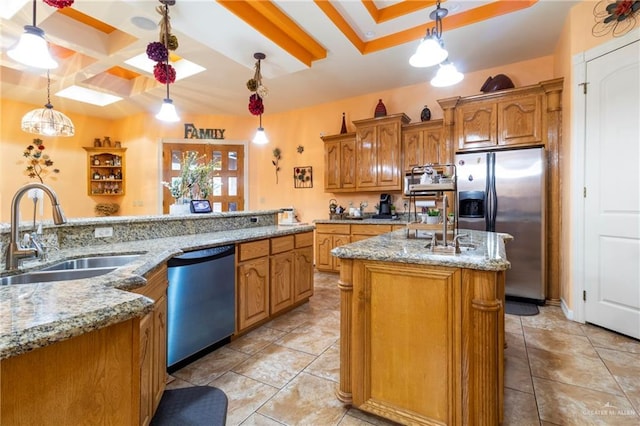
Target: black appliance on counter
[384,207]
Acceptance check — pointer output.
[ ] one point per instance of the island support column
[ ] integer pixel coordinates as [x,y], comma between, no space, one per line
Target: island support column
[344,392]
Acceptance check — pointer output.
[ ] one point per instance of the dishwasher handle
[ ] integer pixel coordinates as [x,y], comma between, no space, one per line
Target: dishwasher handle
[199,256]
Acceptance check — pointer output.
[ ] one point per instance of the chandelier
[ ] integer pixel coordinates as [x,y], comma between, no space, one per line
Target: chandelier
[47,121]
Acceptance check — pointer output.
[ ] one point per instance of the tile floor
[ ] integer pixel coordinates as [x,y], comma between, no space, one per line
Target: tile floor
[558,372]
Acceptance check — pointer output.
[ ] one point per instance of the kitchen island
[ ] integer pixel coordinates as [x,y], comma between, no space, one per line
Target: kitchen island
[422,334]
[83,344]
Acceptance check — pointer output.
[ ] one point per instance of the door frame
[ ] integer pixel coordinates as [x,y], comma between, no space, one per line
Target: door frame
[212,142]
[578,167]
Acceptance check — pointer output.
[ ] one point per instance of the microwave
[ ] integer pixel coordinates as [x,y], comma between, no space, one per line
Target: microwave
[414,179]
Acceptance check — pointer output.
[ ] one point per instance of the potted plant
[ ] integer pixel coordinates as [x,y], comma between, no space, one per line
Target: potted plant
[433,216]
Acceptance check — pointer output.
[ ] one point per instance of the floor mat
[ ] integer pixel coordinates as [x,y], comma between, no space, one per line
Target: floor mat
[521,308]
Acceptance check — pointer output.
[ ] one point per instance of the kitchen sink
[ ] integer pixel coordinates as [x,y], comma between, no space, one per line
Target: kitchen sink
[54,275]
[92,262]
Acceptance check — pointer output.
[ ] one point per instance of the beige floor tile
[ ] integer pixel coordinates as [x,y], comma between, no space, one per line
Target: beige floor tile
[516,364]
[552,318]
[558,342]
[520,408]
[178,384]
[625,367]
[245,396]
[256,340]
[275,365]
[211,366]
[313,340]
[512,324]
[327,365]
[306,400]
[607,339]
[569,405]
[258,420]
[366,418]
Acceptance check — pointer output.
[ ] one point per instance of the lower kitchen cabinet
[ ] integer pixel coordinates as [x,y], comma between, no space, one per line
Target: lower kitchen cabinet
[153,344]
[273,276]
[328,237]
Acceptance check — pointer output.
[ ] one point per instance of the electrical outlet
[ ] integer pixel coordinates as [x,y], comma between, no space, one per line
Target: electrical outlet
[103,232]
[254,220]
[405,205]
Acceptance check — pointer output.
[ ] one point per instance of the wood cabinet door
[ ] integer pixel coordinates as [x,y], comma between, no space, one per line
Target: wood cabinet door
[388,156]
[146,369]
[433,148]
[338,240]
[520,121]
[476,125]
[303,273]
[366,157]
[348,164]
[324,244]
[253,292]
[332,170]
[412,148]
[281,283]
[159,350]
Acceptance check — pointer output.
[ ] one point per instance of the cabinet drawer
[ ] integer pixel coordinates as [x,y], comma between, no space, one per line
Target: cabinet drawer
[281,244]
[370,229]
[304,240]
[252,250]
[333,228]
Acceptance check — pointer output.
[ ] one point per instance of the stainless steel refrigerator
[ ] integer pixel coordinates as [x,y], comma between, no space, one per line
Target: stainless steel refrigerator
[504,191]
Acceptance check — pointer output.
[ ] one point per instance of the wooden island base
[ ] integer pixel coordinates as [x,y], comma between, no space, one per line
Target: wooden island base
[422,344]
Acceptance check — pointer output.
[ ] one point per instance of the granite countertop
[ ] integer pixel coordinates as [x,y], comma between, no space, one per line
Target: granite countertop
[489,253]
[36,315]
[364,221]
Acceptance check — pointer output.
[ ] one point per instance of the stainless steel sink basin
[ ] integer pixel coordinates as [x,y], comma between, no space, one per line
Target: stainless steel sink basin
[92,262]
[49,276]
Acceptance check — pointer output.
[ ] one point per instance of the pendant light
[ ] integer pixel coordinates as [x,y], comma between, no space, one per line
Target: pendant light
[47,121]
[32,49]
[261,137]
[431,49]
[168,110]
[447,75]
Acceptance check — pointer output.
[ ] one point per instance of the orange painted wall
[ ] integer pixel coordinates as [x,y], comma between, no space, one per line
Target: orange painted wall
[142,134]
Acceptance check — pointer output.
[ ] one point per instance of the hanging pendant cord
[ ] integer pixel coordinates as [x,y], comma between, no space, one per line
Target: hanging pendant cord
[166,42]
[34,13]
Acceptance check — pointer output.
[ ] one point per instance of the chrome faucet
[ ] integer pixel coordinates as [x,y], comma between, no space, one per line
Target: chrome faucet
[445,199]
[15,252]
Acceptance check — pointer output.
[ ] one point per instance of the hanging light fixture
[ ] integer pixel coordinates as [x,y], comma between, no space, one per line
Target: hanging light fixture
[168,110]
[431,49]
[47,121]
[447,75]
[256,106]
[32,49]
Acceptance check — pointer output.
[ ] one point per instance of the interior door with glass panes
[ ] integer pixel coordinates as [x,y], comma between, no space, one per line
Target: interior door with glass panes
[227,176]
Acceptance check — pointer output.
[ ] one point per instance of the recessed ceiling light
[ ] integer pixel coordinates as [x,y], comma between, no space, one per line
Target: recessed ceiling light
[369,34]
[183,67]
[144,23]
[88,96]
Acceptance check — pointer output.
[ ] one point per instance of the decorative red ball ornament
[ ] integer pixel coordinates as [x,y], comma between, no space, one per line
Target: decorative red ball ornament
[160,73]
[59,4]
[256,107]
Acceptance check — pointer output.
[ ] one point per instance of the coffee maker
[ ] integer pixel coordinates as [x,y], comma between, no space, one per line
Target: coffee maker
[384,211]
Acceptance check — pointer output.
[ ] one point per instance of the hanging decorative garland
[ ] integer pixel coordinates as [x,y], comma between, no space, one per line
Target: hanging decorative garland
[58,4]
[158,51]
[256,106]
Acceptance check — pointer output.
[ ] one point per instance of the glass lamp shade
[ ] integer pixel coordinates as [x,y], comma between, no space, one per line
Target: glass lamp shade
[32,49]
[48,122]
[261,137]
[429,52]
[447,75]
[168,112]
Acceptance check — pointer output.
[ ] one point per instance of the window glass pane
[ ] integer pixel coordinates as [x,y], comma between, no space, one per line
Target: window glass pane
[217,207]
[176,160]
[217,160]
[233,160]
[233,186]
[233,207]
[217,186]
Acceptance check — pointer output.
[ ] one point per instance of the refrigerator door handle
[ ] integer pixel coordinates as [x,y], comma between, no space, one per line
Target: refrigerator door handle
[492,195]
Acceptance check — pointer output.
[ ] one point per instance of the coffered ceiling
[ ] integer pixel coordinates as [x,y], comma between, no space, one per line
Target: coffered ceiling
[316,51]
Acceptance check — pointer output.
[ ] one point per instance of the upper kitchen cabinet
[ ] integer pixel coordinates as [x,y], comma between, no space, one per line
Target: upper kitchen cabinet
[378,153]
[423,143]
[506,118]
[340,162]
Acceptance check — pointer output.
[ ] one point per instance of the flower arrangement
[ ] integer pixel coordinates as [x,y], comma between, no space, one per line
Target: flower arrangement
[256,106]
[277,156]
[196,178]
[38,162]
[59,4]
[158,51]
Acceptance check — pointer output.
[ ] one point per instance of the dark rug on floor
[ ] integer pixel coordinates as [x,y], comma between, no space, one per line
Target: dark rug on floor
[521,308]
[193,406]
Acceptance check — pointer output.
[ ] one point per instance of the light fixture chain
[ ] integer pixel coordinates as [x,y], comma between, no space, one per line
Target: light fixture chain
[48,88]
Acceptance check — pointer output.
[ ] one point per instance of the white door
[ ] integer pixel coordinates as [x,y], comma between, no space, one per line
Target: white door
[612,181]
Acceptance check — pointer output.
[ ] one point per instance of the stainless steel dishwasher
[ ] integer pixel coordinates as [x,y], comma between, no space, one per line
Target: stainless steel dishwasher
[200,302]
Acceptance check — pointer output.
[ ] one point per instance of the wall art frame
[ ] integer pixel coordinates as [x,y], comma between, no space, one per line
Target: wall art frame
[303,177]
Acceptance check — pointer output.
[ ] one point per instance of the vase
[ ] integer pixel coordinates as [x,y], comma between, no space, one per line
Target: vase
[381,110]
[425,115]
[432,220]
[343,129]
[179,209]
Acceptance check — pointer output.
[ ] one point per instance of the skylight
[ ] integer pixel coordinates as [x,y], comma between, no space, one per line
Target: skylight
[183,67]
[88,96]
